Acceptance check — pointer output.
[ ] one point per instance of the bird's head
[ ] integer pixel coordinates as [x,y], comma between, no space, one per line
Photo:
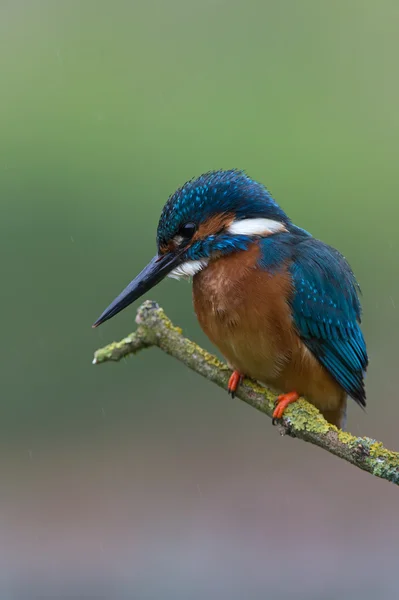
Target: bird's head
[218,213]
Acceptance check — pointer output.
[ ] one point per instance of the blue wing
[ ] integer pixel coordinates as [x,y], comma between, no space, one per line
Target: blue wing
[327,313]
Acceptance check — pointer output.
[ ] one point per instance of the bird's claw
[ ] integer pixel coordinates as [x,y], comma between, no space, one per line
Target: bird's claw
[234,382]
[281,404]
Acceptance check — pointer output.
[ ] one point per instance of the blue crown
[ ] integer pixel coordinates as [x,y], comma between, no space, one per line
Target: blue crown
[214,193]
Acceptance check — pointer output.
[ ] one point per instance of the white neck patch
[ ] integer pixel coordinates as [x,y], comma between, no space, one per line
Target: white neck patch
[256,227]
[188,269]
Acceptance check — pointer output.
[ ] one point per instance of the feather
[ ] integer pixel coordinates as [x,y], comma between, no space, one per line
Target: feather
[327,313]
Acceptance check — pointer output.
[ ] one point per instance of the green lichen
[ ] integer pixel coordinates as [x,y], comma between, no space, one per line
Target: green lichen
[268,397]
[385,469]
[255,387]
[379,461]
[347,438]
[304,416]
[168,323]
[149,312]
[108,352]
[209,358]
[377,450]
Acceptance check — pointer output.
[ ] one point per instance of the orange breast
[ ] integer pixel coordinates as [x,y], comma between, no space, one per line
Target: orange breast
[244,310]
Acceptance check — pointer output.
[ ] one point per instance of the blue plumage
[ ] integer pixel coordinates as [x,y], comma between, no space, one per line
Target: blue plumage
[325,305]
[327,313]
[221,244]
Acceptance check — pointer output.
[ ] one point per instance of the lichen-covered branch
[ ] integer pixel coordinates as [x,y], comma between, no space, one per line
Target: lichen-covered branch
[301,419]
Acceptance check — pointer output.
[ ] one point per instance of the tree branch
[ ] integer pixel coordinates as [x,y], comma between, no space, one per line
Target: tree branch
[301,419]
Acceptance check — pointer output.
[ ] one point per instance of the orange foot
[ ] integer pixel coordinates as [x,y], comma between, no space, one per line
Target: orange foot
[281,404]
[234,382]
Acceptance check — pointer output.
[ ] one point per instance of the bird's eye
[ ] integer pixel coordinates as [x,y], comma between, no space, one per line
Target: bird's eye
[187,231]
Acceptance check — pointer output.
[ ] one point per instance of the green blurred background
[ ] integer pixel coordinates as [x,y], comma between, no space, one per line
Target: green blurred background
[141,480]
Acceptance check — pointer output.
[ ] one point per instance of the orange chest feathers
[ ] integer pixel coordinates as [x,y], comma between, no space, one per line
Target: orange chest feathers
[244,310]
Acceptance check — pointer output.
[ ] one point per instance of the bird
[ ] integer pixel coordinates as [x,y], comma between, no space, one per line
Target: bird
[281,306]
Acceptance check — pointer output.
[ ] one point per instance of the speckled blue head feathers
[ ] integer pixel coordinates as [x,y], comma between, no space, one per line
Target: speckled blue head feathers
[216,192]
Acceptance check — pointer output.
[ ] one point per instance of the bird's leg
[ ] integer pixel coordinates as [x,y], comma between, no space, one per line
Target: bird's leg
[235,379]
[281,404]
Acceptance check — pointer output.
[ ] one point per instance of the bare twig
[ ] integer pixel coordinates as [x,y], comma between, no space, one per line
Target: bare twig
[301,420]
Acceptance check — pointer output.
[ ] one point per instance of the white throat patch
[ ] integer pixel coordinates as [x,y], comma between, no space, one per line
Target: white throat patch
[255,227]
[188,269]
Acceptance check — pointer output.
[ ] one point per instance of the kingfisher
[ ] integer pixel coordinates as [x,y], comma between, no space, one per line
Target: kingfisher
[282,306]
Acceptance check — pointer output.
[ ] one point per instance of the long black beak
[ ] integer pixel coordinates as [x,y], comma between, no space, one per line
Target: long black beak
[152,274]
